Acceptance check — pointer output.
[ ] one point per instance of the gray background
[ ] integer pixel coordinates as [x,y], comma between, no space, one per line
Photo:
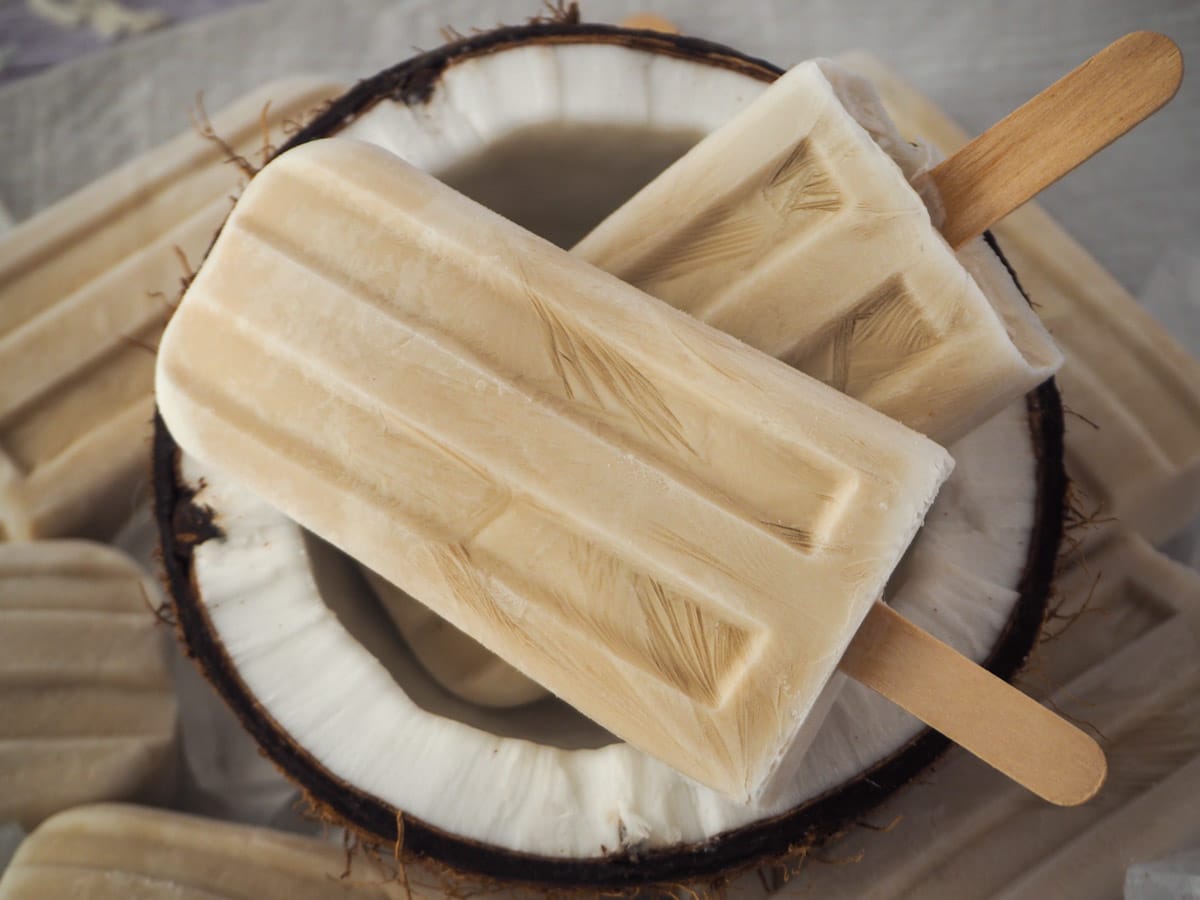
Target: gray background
[977,58]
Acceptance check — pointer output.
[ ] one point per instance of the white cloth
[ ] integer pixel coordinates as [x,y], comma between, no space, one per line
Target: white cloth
[976,58]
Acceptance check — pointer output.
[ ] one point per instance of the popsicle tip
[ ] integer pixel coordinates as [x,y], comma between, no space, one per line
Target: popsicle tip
[1153,40]
[1089,770]
[1157,48]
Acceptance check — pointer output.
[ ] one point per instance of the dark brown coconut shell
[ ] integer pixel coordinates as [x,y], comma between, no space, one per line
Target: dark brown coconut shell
[182,525]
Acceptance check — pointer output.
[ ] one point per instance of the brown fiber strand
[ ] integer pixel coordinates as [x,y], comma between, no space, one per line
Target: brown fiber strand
[1076,720]
[1077,524]
[397,850]
[289,126]
[558,12]
[1078,519]
[188,272]
[1067,411]
[358,846]
[1072,552]
[163,613]
[204,127]
[1055,613]
[267,148]
[185,280]
[787,866]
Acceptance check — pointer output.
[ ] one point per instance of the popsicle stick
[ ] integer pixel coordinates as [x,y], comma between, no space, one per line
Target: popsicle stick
[1045,138]
[649,21]
[980,712]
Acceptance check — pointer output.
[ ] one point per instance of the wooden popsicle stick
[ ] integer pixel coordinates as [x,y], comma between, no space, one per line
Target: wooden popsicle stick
[1044,139]
[983,714]
[649,21]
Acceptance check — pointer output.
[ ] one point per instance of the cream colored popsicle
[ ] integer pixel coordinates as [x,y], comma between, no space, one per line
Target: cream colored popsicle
[1133,430]
[87,707]
[85,288]
[794,227]
[118,852]
[676,534]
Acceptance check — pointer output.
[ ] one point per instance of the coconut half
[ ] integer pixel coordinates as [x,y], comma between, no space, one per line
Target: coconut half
[554,125]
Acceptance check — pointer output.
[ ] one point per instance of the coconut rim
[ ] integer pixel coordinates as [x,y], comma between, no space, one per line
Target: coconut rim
[182,524]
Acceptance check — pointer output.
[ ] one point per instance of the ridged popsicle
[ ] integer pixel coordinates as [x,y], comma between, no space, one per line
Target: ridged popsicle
[795,228]
[85,290]
[596,486]
[87,705]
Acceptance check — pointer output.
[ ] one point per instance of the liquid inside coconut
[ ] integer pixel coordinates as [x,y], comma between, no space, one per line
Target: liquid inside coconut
[559,181]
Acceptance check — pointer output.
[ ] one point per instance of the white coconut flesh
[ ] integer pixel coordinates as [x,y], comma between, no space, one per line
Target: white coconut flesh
[555,137]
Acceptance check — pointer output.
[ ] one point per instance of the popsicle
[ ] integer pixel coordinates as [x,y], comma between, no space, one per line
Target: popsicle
[87,708]
[791,228]
[795,227]
[116,852]
[1133,432]
[85,288]
[594,485]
